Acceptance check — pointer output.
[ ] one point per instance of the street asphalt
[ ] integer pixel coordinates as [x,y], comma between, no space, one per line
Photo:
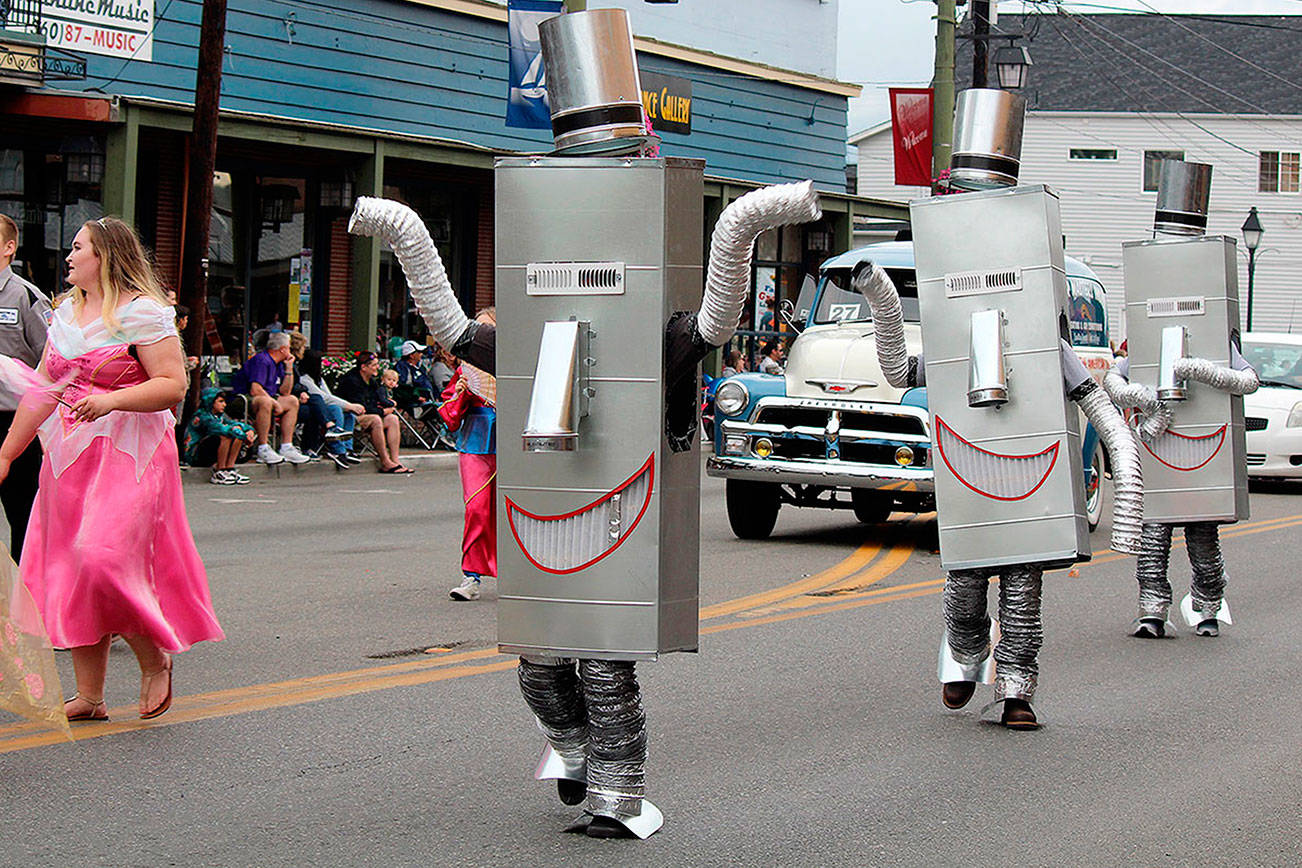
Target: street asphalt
[807,731]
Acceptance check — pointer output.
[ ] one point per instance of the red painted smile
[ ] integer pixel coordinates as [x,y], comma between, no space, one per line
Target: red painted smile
[1182,452]
[999,477]
[576,540]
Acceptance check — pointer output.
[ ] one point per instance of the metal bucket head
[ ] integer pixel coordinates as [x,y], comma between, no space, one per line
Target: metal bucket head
[987,139]
[1183,191]
[592,83]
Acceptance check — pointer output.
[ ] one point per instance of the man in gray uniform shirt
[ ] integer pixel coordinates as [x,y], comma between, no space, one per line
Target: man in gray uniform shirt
[24,320]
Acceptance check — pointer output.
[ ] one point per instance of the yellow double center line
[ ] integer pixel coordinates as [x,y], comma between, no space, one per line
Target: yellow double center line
[843,586]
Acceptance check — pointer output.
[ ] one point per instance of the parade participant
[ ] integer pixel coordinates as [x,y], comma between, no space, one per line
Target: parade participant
[24,319]
[1182,302]
[109,549]
[474,421]
[992,299]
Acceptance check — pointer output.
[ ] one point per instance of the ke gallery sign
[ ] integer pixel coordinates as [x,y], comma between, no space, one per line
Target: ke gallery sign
[117,28]
[911,114]
[667,101]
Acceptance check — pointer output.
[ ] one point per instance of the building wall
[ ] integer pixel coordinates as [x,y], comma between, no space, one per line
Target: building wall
[1104,205]
[409,67]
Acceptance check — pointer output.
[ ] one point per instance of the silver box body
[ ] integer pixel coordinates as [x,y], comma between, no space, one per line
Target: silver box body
[1197,471]
[1001,250]
[639,598]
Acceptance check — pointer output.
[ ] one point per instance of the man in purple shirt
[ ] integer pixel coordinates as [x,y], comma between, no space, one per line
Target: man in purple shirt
[268,380]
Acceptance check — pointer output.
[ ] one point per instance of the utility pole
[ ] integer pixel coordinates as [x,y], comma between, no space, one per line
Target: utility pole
[198,202]
[942,126]
[980,42]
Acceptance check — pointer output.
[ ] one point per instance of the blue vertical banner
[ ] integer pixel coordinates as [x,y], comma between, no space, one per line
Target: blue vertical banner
[526,104]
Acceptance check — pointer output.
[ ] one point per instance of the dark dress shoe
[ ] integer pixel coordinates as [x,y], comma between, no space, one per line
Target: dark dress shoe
[605,827]
[1018,715]
[956,694]
[1150,628]
[571,792]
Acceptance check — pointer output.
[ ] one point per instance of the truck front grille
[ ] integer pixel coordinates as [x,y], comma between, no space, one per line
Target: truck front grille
[813,417]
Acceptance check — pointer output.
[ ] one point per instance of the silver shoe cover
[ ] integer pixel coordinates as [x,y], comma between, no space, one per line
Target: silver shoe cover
[1194,616]
[950,668]
[1243,382]
[1021,632]
[1151,569]
[552,690]
[1208,586]
[617,739]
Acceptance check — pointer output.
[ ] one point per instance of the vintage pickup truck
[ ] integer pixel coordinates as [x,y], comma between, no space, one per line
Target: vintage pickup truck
[832,433]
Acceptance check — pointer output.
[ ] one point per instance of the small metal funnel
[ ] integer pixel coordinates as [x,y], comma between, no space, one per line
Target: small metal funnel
[1173,349]
[1183,192]
[559,396]
[987,382]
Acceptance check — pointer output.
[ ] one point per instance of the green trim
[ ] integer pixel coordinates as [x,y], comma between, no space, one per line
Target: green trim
[121,159]
[365,300]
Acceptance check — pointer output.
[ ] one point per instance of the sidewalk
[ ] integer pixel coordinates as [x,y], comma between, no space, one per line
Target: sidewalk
[284,472]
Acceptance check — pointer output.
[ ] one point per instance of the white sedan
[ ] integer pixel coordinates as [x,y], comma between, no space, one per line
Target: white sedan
[1273,414]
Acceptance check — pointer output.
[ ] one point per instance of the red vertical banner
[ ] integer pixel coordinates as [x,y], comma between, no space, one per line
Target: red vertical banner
[911,116]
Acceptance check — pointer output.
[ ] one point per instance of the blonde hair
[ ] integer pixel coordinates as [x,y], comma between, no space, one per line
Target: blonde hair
[124,269]
[297,344]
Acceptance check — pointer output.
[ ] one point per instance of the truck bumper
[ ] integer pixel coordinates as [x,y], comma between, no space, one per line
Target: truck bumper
[833,474]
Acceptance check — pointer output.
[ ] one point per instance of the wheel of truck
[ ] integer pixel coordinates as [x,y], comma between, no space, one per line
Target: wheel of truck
[752,508]
[1094,488]
[870,507]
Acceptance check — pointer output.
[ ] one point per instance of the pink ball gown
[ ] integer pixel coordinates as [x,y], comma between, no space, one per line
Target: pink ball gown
[109,549]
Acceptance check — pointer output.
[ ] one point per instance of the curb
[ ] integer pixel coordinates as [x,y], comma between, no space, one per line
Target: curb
[317,470]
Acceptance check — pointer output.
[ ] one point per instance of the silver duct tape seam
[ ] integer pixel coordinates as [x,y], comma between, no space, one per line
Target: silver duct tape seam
[727,279]
[617,731]
[1021,632]
[1156,414]
[555,696]
[888,323]
[402,229]
[1208,586]
[1151,570]
[1222,379]
[1127,481]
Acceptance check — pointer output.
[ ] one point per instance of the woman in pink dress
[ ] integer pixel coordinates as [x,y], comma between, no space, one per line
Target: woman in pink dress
[109,549]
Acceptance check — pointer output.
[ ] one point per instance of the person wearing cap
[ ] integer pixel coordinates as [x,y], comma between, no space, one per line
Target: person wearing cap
[24,320]
[415,392]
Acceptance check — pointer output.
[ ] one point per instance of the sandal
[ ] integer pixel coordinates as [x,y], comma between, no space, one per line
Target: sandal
[97,711]
[147,681]
[397,468]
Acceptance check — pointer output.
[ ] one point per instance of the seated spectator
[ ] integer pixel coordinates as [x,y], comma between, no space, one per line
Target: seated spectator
[734,365]
[441,365]
[414,393]
[327,418]
[771,363]
[267,379]
[213,439]
[361,386]
[388,383]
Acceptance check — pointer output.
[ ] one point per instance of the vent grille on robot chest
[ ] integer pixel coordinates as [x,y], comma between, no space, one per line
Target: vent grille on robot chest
[1189,305]
[574,278]
[980,282]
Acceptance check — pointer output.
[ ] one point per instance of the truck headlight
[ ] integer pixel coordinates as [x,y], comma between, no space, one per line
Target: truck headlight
[904,456]
[764,447]
[731,398]
[1294,416]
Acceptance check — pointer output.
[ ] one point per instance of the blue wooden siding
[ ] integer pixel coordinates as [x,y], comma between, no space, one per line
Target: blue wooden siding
[402,67]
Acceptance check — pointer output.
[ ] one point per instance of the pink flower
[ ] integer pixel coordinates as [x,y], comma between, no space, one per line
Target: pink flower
[10,634]
[35,685]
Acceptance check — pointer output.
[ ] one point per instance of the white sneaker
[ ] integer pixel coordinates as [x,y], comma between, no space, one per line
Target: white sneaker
[290,453]
[267,455]
[467,590]
[221,477]
[237,477]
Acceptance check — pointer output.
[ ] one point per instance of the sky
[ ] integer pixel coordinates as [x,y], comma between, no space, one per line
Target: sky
[890,43]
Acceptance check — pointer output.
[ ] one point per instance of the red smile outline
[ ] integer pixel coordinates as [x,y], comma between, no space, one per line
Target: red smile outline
[1219,432]
[649,467]
[940,447]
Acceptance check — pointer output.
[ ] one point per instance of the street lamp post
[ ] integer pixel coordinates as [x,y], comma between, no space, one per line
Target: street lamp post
[1252,233]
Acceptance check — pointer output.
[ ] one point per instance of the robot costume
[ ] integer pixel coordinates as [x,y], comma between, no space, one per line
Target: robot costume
[1006,440]
[598,269]
[1186,377]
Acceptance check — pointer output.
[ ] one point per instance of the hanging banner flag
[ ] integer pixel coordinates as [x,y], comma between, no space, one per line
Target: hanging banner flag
[911,118]
[526,103]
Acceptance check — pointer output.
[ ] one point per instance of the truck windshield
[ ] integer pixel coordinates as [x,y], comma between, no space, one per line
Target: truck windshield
[838,302]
